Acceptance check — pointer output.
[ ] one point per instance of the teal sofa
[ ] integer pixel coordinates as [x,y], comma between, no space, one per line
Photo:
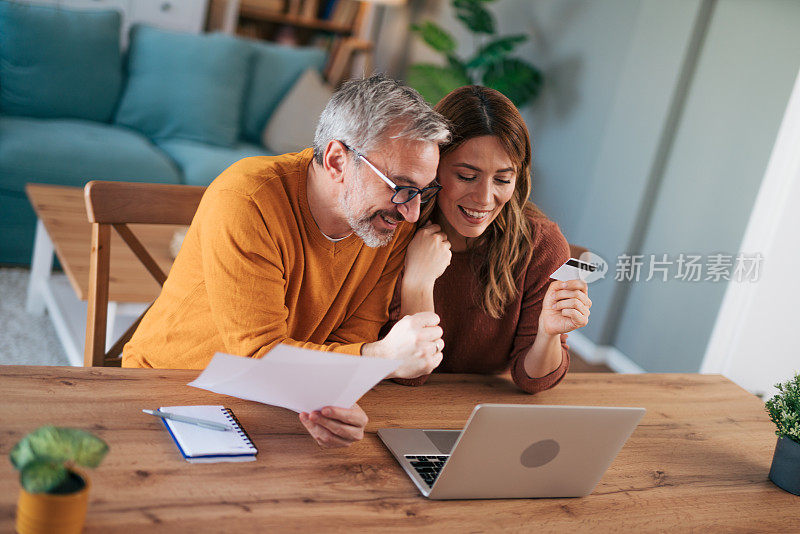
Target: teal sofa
[176,108]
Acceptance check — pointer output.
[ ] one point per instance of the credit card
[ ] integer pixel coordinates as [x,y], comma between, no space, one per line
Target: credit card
[575,269]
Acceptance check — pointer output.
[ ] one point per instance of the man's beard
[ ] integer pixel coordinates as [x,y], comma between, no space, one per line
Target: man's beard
[362,224]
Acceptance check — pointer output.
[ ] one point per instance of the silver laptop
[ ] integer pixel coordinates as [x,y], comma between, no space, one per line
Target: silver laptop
[515,451]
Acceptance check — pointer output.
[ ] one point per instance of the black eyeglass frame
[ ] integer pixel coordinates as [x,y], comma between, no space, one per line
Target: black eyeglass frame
[398,189]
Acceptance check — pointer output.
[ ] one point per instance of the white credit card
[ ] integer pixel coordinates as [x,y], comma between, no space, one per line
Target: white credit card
[575,269]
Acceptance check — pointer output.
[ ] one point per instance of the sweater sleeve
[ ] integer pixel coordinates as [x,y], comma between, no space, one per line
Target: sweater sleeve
[394,316]
[550,251]
[367,322]
[244,278]
[394,305]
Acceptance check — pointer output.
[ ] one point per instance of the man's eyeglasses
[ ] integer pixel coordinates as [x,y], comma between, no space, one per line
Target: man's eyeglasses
[402,193]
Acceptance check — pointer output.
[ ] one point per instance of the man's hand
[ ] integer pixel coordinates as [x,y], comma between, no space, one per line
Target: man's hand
[416,340]
[335,427]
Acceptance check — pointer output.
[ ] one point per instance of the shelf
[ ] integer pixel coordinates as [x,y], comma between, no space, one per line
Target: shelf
[268,15]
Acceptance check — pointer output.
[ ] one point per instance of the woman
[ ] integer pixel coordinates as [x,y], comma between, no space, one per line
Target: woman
[483,259]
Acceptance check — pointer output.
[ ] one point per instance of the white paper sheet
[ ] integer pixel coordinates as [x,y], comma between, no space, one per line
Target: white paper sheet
[302,380]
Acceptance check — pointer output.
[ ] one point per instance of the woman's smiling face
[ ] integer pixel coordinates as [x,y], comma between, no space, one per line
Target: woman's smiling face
[477,178]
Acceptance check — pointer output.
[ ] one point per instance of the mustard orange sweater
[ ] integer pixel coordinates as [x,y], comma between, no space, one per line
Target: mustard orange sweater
[255,270]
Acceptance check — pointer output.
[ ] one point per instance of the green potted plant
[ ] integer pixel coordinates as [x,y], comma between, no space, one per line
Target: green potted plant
[54,495]
[491,65]
[784,410]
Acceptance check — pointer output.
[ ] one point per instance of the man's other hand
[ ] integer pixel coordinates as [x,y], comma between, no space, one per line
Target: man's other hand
[415,340]
[335,427]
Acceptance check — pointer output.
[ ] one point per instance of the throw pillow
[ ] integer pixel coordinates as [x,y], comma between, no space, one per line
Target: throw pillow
[59,63]
[291,127]
[275,69]
[185,86]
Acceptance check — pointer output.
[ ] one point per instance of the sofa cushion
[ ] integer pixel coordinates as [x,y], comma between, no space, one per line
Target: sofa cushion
[17,228]
[291,126]
[201,163]
[72,152]
[57,62]
[275,70]
[185,86]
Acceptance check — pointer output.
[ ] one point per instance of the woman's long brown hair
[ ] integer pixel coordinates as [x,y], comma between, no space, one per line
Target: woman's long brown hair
[506,245]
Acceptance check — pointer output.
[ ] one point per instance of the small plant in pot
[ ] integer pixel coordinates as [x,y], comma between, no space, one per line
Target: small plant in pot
[54,495]
[784,410]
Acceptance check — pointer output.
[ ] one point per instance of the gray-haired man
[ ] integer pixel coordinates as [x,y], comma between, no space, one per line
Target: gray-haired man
[305,248]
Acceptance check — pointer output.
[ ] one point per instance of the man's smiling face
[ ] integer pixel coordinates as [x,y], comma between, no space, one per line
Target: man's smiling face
[366,201]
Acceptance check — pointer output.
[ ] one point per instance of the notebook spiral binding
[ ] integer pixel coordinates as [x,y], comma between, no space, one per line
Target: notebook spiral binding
[239,428]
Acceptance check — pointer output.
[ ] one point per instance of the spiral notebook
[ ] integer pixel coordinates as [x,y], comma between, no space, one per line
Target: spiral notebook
[203,445]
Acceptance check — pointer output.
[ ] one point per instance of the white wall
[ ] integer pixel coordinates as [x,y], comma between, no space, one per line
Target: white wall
[580,46]
[634,140]
[756,341]
[768,346]
[719,152]
[652,136]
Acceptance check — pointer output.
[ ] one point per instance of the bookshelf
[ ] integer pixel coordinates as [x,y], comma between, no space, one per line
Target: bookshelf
[337,25]
[297,21]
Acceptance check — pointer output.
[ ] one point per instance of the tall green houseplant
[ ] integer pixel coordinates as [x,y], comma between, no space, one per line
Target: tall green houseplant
[491,65]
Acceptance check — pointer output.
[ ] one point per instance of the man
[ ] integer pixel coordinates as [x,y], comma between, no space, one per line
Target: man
[304,249]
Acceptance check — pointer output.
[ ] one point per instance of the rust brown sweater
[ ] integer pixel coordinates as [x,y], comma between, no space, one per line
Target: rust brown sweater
[476,343]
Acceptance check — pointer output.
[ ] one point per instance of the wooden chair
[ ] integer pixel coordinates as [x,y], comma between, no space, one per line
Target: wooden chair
[575,251]
[118,204]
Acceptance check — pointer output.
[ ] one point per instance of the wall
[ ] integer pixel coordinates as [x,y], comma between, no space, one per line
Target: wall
[768,346]
[581,61]
[652,136]
[728,126]
[755,339]
[633,140]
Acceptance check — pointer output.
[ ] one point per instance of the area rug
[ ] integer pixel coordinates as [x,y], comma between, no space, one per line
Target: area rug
[25,339]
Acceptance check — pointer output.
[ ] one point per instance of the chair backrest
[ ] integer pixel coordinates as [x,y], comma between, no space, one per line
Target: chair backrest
[575,251]
[115,205]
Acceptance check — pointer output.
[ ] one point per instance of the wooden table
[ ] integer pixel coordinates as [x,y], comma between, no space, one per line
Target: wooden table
[698,460]
[64,230]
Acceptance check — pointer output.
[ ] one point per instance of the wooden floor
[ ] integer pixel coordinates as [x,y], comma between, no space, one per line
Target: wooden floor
[579,365]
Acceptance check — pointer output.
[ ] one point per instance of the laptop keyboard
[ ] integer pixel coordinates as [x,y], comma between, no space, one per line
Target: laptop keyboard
[428,467]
